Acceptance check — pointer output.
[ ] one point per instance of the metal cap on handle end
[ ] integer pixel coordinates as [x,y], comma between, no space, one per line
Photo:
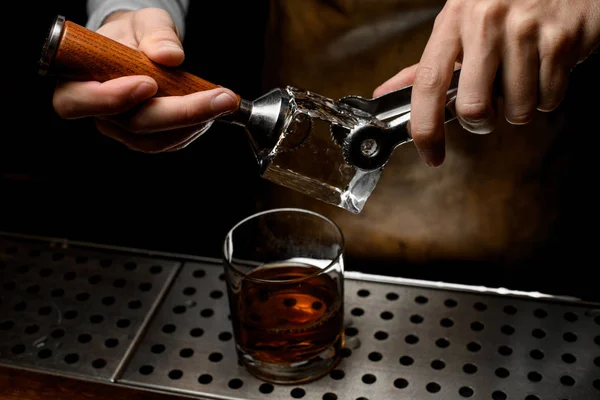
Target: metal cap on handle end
[51,45]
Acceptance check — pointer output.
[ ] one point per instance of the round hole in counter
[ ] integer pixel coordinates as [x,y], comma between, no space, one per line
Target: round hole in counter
[225,336]
[105,263]
[505,350]
[499,395]
[31,329]
[357,311]
[84,338]
[363,293]
[473,347]
[266,388]
[416,319]
[392,296]
[45,310]
[145,286]
[18,349]
[568,358]
[297,393]
[130,266]
[330,396]
[502,373]
[596,384]
[189,291]
[597,362]
[216,294]
[536,354]
[111,343]
[433,387]
[438,365]
[123,323]
[6,325]
[205,379]
[57,292]
[375,356]
[215,357]
[70,275]
[119,283]
[179,309]
[96,319]
[94,279]
[477,326]
[411,339]
[469,368]
[146,369]
[540,313]
[175,374]
[84,296]
[345,352]
[337,374]
[381,335]
[450,303]
[479,306]
[534,376]
[466,391]
[186,353]
[57,333]
[235,383]
[442,343]
[369,379]
[386,315]
[169,328]
[421,300]
[446,323]
[207,313]
[157,348]
[196,332]
[108,300]
[71,314]
[567,380]
[44,354]
[538,333]
[569,337]
[570,316]
[199,273]
[406,360]
[99,363]
[156,269]
[507,330]
[351,331]
[401,383]
[532,397]
[72,358]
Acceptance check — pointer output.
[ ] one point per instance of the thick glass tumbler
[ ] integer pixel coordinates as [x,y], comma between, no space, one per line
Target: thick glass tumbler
[284,272]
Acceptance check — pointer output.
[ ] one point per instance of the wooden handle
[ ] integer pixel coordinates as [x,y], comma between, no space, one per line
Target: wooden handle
[73,52]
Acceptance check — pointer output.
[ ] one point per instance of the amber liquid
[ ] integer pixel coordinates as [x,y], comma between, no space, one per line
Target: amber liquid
[287,322]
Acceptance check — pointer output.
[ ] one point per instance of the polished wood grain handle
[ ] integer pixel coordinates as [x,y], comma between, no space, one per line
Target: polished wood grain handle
[73,52]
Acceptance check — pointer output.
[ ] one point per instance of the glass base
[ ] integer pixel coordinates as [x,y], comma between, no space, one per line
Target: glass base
[288,374]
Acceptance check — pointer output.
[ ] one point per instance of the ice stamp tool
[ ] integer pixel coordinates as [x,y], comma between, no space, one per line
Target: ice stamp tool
[334,151]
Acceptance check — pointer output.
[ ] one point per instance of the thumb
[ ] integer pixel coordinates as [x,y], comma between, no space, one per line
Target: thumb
[158,36]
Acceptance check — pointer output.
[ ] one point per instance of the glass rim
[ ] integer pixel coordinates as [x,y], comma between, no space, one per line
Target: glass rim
[326,269]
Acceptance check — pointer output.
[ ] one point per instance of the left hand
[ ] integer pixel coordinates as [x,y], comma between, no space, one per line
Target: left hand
[535,43]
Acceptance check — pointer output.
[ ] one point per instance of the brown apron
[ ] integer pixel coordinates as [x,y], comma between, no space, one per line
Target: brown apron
[494,200]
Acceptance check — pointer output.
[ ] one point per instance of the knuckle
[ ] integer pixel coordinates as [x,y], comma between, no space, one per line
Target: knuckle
[521,27]
[473,109]
[490,13]
[427,78]
[520,114]
[556,41]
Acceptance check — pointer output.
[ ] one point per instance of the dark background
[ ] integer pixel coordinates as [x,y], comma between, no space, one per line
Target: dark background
[64,179]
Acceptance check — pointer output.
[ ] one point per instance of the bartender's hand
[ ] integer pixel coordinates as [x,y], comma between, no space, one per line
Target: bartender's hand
[124,108]
[537,43]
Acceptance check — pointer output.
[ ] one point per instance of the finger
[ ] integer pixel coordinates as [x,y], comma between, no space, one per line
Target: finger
[520,71]
[201,129]
[428,100]
[481,59]
[84,99]
[556,61]
[173,112]
[402,79]
[158,36]
[151,144]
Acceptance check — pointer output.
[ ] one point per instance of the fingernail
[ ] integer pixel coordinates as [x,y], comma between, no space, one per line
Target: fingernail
[143,90]
[433,158]
[224,102]
[170,44]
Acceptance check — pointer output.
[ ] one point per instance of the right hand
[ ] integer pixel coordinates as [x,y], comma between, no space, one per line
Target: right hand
[125,109]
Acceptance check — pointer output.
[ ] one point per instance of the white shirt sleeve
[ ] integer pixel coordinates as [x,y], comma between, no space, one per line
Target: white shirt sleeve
[98,10]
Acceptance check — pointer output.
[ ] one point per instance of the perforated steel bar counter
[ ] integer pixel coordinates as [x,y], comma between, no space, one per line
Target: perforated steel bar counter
[160,322]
